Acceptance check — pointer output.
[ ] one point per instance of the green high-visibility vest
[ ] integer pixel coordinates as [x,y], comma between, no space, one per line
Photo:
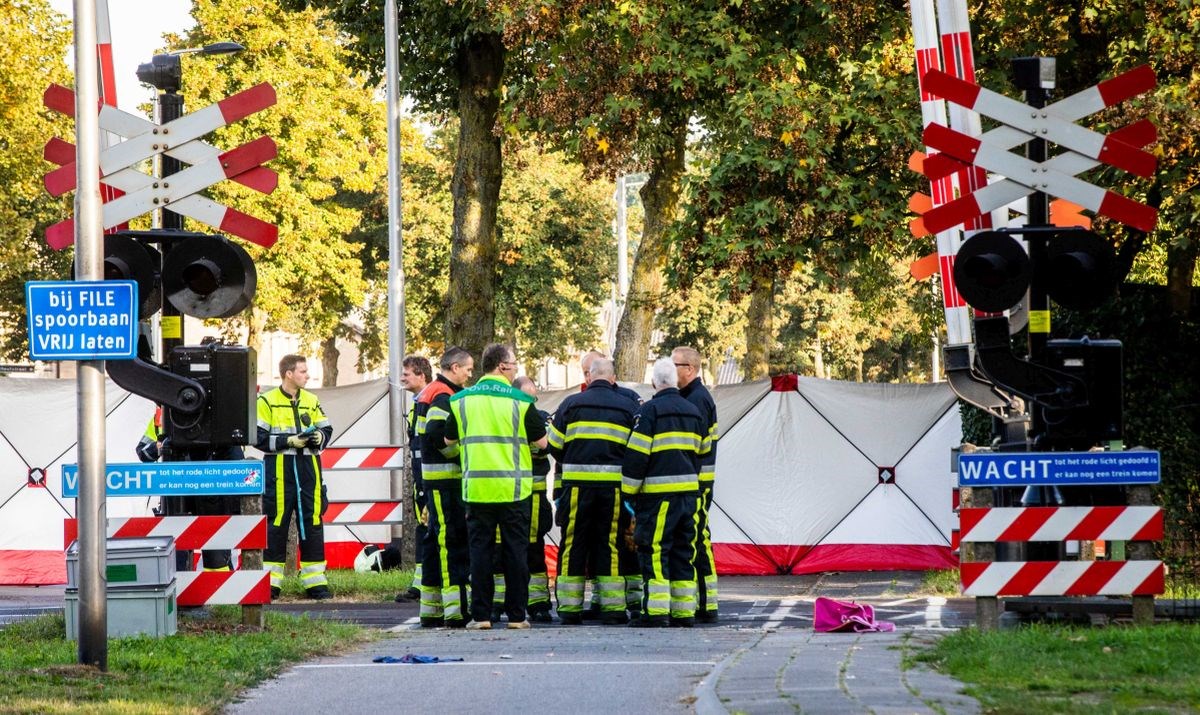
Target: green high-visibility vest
[496,464]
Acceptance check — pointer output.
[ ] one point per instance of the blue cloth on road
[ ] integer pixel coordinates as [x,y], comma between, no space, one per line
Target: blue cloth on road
[414,658]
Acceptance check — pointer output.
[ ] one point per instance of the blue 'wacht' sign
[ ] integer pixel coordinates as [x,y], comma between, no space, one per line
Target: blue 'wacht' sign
[243,476]
[82,320]
[1003,469]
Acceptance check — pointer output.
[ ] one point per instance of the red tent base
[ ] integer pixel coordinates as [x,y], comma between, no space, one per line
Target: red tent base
[29,567]
[751,560]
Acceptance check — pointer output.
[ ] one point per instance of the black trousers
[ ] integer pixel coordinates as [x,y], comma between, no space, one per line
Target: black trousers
[513,519]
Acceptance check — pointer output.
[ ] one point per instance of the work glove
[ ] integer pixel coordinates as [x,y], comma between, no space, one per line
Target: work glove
[297,441]
[315,439]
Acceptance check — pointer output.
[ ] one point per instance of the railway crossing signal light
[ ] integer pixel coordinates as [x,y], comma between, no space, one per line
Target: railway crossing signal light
[202,275]
[992,271]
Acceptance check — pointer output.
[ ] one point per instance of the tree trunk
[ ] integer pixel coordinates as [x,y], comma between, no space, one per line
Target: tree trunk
[1181,271]
[470,302]
[660,197]
[329,362]
[256,323]
[818,358]
[759,330]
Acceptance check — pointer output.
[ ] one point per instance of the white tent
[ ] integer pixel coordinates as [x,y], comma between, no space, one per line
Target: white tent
[38,422]
[812,475]
[817,475]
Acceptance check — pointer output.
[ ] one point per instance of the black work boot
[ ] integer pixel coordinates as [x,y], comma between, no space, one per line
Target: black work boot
[318,593]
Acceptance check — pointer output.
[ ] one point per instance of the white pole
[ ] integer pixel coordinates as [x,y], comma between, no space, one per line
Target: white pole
[396,330]
[89,266]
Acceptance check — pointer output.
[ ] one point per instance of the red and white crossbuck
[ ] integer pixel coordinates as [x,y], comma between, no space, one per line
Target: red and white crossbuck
[1084,149]
[179,139]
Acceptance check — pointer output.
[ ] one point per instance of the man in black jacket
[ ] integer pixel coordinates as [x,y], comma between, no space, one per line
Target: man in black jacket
[661,474]
[691,387]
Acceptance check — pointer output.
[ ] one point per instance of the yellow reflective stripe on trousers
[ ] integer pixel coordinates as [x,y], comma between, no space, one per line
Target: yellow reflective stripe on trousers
[316,517]
[277,517]
[443,553]
[613,536]
[569,537]
[656,543]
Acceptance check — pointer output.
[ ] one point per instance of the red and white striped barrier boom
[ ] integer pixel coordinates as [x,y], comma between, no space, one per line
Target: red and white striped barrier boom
[363,512]
[933,111]
[1062,578]
[362,458]
[1086,523]
[191,533]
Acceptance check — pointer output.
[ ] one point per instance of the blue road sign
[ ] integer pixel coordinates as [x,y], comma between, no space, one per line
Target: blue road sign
[82,320]
[173,479]
[1005,469]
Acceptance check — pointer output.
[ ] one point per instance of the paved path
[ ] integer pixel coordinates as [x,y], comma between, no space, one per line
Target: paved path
[762,658]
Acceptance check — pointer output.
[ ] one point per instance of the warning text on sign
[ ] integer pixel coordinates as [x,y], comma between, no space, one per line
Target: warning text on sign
[82,320]
[1002,469]
[173,479]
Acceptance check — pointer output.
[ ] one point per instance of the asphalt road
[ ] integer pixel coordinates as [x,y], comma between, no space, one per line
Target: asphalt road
[762,657]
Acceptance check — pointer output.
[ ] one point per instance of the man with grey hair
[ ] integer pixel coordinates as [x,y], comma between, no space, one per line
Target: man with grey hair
[660,474]
[587,437]
[691,388]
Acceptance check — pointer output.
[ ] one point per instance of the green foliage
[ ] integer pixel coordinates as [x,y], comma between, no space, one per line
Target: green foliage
[555,264]
[329,126]
[1162,396]
[36,41]
[556,258]
[1040,669]
[199,670]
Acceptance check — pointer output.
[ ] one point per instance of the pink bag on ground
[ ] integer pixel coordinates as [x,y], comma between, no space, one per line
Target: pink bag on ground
[830,616]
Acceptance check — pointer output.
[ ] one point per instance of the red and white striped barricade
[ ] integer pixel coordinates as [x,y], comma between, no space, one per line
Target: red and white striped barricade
[1067,578]
[198,533]
[363,511]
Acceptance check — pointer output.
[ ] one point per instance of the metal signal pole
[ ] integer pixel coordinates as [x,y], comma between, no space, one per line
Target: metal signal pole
[89,266]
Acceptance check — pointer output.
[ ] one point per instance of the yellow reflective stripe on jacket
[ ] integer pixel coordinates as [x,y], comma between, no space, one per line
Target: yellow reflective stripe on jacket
[591,472]
[554,437]
[667,483]
[676,440]
[597,430]
[639,442]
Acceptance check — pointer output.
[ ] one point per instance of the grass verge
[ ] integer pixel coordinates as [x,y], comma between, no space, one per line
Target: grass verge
[198,671]
[351,585]
[1064,669]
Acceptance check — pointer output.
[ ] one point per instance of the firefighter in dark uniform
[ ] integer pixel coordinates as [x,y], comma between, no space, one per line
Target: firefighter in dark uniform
[627,560]
[691,387]
[587,438]
[292,431]
[415,376]
[661,474]
[446,568]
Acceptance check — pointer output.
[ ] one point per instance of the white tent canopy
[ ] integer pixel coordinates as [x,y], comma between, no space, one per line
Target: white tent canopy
[801,483]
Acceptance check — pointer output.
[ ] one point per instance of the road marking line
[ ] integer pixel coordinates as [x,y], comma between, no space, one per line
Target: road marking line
[780,613]
[933,611]
[494,663]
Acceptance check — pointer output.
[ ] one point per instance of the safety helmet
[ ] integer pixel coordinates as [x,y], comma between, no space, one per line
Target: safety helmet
[368,559]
